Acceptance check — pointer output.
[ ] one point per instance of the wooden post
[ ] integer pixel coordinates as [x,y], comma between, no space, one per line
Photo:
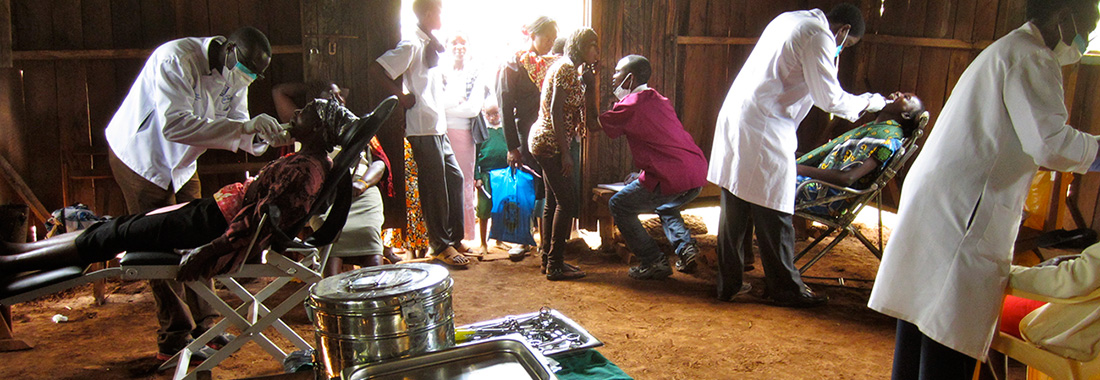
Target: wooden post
[5,34]
[13,228]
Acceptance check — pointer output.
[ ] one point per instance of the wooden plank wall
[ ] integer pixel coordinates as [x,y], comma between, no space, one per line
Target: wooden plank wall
[68,102]
[919,46]
[342,38]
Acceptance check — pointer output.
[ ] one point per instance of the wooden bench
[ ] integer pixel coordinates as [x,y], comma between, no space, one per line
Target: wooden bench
[709,196]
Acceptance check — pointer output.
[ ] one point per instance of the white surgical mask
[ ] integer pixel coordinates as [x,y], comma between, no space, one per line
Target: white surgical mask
[1070,54]
[238,76]
[621,92]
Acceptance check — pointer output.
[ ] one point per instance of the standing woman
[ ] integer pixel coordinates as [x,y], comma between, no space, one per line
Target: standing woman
[518,93]
[562,118]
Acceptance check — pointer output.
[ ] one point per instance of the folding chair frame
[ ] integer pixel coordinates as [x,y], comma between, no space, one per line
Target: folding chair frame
[1049,363]
[252,317]
[857,200]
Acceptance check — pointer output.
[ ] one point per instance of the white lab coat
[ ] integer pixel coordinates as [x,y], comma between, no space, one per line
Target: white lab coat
[946,265]
[1070,330]
[790,70]
[176,109]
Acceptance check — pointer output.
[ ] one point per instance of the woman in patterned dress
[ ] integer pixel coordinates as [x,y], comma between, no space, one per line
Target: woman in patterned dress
[562,119]
[414,237]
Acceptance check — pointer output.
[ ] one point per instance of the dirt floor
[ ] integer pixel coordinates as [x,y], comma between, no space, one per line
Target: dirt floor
[671,329]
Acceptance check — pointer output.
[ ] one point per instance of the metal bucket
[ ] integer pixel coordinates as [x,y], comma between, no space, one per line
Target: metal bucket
[373,314]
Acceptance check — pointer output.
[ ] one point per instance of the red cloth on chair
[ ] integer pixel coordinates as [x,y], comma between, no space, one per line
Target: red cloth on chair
[1013,311]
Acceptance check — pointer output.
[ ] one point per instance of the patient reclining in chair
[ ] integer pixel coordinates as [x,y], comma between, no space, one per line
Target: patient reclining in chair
[855,158]
[212,232]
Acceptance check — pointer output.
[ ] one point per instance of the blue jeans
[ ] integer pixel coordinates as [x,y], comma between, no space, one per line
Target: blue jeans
[635,199]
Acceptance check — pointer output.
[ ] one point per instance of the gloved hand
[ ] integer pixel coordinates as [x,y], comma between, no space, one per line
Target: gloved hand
[875,102]
[262,124]
[278,139]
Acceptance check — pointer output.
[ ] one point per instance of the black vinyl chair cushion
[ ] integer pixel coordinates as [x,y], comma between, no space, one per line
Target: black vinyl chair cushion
[150,258]
[33,280]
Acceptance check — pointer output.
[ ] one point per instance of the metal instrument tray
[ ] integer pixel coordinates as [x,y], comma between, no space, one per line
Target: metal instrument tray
[491,359]
[557,325]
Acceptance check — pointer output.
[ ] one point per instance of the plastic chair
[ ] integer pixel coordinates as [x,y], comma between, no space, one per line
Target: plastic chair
[855,200]
[1035,357]
[253,316]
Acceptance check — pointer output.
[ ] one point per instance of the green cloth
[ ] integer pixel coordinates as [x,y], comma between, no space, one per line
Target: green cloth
[491,154]
[825,157]
[588,365]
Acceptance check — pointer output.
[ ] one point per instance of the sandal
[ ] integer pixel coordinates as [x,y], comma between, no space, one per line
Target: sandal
[451,257]
[465,251]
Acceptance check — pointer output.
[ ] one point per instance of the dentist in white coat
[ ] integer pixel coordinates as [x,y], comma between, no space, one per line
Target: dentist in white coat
[791,69]
[191,95]
[944,270]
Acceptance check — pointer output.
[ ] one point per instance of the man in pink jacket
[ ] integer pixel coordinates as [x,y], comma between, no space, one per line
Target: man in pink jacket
[673,169]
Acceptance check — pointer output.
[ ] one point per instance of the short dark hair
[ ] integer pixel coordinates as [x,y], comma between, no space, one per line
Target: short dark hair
[639,66]
[559,46]
[541,25]
[249,38]
[421,6]
[577,41]
[845,13]
[1043,9]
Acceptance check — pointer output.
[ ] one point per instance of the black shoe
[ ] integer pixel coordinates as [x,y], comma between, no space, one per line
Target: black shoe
[658,270]
[806,298]
[686,263]
[565,272]
[197,357]
[745,288]
[220,341]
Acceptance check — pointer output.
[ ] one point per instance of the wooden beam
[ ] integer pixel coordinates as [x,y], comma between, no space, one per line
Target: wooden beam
[60,55]
[706,40]
[5,34]
[946,43]
[24,191]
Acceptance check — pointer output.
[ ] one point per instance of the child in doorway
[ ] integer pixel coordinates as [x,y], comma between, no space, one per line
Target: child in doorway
[491,154]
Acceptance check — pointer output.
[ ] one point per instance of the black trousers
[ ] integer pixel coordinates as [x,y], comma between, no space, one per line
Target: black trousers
[196,223]
[440,184]
[918,357]
[561,208]
[774,233]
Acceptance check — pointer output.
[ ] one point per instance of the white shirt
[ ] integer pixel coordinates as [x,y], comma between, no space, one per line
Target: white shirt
[176,110]
[791,69]
[946,265]
[426,118]
[1070,330]
[458,108]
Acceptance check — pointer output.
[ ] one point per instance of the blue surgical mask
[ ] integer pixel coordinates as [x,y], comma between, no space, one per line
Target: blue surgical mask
[1081,43]
[840,47]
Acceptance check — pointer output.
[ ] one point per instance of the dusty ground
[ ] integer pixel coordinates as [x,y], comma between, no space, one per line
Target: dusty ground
[672,329]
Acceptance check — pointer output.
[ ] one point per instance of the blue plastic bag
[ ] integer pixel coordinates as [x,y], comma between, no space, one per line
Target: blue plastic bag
[513,203]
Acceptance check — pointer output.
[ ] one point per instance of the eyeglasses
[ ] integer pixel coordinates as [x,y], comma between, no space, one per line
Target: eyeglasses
[245,69]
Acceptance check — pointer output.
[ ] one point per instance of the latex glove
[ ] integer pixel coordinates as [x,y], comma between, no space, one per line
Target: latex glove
[876,102]
[279,139]
[262,124]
